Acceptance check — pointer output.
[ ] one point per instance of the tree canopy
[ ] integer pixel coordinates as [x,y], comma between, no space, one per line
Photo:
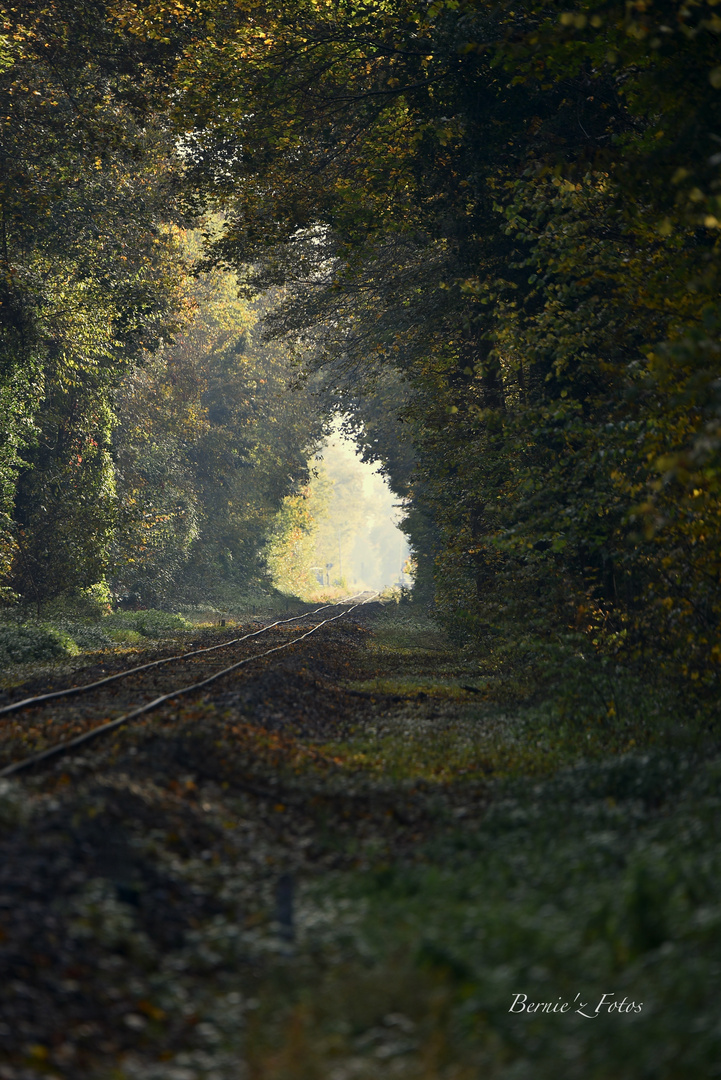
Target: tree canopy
[514,212]
[490,233]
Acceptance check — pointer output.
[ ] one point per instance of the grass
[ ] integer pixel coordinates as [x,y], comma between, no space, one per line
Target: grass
[590,866]
[35,647]
[455,716]
[578,886]
[555,843]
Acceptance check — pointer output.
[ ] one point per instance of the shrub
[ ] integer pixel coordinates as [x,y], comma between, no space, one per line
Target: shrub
[87,634]
[24,643]
[123,635]
[150,623]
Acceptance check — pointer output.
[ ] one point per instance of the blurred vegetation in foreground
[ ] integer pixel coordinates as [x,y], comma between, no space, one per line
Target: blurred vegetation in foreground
[455,836]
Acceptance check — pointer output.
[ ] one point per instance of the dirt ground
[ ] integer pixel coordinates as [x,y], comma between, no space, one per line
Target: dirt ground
[347,860]
[116,862]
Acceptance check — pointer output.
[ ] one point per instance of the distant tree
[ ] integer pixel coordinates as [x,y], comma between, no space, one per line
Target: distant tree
[517,211]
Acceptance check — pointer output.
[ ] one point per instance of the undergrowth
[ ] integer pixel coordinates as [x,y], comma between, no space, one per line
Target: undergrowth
[65,635]
[603,880]
[469,844]
[589,879]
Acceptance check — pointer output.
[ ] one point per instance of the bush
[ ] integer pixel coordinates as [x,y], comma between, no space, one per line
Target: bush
[123,635]
[88,634]
[150,623]
[94,601]
[25,643]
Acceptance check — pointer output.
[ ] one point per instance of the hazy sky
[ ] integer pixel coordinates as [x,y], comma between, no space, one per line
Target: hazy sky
[363,517]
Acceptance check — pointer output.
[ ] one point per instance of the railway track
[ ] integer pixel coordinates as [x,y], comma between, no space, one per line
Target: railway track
[101,699]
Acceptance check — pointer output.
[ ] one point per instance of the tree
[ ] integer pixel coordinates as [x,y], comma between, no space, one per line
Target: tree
[517,212]
[494,233]
[90,278]
[208,445]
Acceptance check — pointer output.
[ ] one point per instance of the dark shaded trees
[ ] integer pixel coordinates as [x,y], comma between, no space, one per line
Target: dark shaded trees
[494,231]
[141,434]
[89,281]
[517,212]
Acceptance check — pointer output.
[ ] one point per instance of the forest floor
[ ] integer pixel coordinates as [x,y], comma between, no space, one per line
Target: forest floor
[361,858]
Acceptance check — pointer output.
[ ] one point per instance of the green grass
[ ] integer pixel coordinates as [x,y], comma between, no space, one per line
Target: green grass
[559,840]
[602,880]
[589,865]
[26,642]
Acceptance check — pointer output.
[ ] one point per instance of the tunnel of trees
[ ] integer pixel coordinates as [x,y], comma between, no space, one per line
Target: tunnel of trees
[486,234]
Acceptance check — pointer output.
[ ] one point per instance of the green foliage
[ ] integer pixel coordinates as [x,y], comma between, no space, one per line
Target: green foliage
[89,280]
[291,547]
[574,886]
[494,237]
[148,624]
[132,417]
[516,215]
[26,643]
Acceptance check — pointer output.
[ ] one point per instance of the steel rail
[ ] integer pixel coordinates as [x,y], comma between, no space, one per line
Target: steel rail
[101,729]
[53,695]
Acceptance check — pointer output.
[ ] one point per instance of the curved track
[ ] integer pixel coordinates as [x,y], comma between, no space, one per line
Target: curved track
[175,692]
[25,703]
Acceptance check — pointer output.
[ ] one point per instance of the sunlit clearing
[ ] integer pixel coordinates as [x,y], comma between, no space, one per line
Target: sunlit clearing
[342,532]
